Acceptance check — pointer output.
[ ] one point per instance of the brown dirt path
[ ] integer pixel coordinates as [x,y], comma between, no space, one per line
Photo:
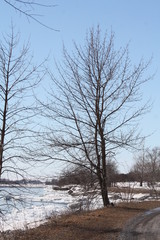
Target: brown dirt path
[144,227]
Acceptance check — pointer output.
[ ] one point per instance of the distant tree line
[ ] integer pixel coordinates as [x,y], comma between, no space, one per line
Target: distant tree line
[19,182]
[146,169]
[87,178]
[84,177]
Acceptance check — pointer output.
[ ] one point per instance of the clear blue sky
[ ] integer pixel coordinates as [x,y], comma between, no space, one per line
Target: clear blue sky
[134,21]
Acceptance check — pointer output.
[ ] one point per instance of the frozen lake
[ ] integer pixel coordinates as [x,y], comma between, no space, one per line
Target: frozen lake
[23,207]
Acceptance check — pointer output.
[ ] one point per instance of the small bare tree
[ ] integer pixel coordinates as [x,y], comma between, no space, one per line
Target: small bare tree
[153,168]
[147,168]
[93,107]
[139,168]
[18,79]
[112,171]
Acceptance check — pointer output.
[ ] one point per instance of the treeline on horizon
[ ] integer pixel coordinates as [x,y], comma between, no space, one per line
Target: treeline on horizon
[64,180]
[18,182]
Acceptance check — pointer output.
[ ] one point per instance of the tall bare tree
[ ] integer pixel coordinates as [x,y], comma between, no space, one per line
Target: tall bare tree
[95,107]
[18,79]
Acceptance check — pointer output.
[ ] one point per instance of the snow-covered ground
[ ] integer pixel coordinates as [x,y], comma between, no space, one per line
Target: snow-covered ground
[37,207]
[30,209]
[137,185]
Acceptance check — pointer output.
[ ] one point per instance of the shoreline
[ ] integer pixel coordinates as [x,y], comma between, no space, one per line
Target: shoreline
[106,223]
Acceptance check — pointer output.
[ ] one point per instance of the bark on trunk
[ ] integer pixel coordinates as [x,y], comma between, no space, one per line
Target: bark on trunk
[106,201]
[1,154]
[104,189]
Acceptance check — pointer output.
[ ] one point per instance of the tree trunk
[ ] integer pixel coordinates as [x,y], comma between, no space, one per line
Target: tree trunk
[104,190]
[1,154]
[4,113]
[104,170]
[105,196]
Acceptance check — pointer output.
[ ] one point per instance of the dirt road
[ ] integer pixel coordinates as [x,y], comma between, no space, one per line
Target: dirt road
[143,227]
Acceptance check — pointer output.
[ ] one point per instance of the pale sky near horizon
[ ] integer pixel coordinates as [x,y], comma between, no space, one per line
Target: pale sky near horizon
[136,22]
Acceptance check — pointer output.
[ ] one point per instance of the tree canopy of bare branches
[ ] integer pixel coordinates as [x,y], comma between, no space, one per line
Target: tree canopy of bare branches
[18,79]
[95,105]
[28,8]
[147,166]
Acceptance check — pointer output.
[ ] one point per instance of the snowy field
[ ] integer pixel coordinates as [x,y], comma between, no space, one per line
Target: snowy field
[32,206]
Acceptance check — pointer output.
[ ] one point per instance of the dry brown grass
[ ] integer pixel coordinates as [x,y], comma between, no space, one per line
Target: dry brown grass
[105,224]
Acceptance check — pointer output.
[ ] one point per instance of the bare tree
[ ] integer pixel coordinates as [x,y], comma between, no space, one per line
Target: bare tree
[139,168]
[153,166]
[28,7]
[112,172]
[147,167]
[95,107]
[18,79]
